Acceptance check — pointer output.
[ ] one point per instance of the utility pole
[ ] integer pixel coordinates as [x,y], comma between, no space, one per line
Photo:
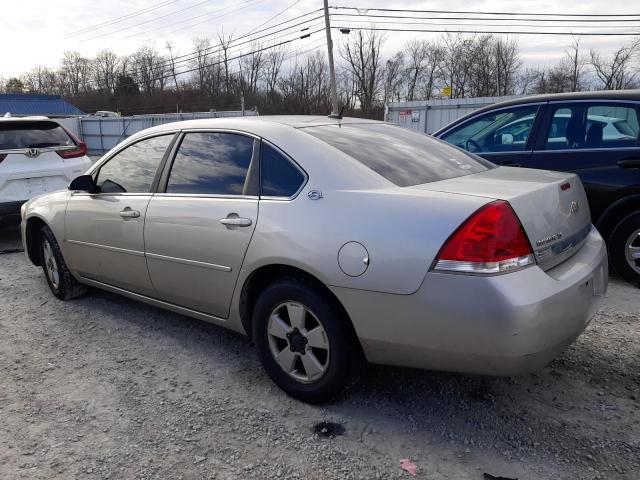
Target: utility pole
[335,113]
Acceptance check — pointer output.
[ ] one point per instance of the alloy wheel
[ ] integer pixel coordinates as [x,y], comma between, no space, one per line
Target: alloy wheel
[632,251]
[50,264]
[298,342]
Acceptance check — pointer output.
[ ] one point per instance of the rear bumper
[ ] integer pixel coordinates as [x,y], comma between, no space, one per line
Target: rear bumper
[497,325]
[10,212]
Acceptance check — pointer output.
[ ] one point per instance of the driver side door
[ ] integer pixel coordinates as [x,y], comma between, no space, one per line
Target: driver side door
[104,231]
[504,136]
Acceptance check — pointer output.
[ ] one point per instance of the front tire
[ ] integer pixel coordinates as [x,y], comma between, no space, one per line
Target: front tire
[61,283]
[303,341]
[624,248]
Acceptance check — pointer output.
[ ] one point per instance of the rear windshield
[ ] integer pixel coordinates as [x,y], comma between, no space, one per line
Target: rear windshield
[401,156]
[37,134]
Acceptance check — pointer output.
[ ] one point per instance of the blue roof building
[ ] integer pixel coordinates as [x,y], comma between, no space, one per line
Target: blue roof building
[26,104]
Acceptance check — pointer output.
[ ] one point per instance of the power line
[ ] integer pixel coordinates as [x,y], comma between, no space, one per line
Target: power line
[494,32]
[147,21]
[164,77]
[537,14]
[241,6]
[486,19]
[184,59]
[271,18]
[231,45]
[121,18]
[404,22]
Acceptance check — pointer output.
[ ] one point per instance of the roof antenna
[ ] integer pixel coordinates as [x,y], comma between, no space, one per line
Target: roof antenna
[337,116]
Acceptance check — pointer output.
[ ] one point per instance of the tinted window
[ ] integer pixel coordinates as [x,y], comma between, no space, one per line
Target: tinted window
[502,131]
[132,170]
[583,126]
[25,134]
[279,177]
[401,156]
[211,163]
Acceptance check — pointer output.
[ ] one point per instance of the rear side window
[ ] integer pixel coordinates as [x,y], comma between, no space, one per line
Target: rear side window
[399,155]
[133,169]
[37,134]
[211,163]
[279,177]
[582,126]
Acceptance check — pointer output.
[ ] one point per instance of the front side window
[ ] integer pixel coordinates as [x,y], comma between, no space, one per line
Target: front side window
[502,131]
[212,163]
[401,156]
[133,169]
[581,126]
[279,177]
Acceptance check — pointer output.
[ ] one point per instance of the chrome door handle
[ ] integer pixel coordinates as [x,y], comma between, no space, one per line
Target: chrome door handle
[128,213]
[235,222]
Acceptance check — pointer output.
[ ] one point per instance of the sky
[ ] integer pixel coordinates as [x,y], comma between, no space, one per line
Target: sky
[37,32]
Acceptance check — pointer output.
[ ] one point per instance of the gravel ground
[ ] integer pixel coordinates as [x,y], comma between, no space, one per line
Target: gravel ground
[104,387]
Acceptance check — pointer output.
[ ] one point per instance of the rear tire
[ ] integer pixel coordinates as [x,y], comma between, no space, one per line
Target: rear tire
[624,245]
[61,283]
[304,343]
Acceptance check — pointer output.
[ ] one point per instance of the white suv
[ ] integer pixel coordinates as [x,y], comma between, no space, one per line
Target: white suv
[37,155]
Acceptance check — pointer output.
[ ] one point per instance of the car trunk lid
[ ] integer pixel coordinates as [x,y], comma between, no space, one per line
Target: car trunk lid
[552,206]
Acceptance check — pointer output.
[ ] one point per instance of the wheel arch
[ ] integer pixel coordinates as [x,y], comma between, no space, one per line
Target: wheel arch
[265,275]
[32,237]
[617,212]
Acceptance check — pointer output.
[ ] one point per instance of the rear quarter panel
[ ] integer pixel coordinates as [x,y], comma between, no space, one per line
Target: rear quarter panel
[401,230]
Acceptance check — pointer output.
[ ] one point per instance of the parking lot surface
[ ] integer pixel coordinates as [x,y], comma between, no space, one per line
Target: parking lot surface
[105,387]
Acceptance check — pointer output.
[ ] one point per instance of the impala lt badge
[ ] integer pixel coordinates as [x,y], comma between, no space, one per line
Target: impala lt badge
[549,239]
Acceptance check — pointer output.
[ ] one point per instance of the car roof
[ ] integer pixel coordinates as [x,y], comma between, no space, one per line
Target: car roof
[256,125]
[554,97]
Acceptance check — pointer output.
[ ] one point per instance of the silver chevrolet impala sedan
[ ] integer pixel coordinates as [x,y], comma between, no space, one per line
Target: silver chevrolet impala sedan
[329,242]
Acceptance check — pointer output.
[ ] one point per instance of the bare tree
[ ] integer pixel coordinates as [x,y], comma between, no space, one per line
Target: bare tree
[616,72]
[362,56]
[417,56]
[41,79]
[171,64]
[150,69]
[75,72]
[105,70]
[576,63]
[251,67]
[508,64]
[225,44]
[272,67]
[393,70]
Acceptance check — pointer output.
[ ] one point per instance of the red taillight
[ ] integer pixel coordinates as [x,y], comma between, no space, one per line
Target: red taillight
[81,151]
[492,240]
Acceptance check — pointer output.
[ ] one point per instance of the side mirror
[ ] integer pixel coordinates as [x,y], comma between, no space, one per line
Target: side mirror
[83,183]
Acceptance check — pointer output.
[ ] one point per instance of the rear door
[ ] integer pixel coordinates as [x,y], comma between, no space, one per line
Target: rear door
[504,136]
[598,140]
[200,222]
[104,231]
